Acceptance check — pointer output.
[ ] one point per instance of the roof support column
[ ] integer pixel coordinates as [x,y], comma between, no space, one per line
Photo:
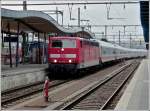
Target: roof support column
[27,38]
[23,47]
[28,51]
[32,36]
[17,55]
[3,58]
[2,39]
[39,55]
[9,35]
[44,50]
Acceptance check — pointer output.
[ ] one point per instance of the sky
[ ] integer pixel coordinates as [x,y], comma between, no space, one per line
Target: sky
[96,14]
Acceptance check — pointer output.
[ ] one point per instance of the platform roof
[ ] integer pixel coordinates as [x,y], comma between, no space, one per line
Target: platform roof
[37,21]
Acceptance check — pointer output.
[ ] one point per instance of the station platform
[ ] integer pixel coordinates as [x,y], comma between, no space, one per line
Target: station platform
[6,69]
[136,96]
[22,75]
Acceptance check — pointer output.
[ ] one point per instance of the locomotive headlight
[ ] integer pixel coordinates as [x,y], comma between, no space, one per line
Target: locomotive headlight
[62,49]
[55,61]
[70,60]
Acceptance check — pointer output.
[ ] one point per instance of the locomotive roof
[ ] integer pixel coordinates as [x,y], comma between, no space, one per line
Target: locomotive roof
[64,37]
[68,37]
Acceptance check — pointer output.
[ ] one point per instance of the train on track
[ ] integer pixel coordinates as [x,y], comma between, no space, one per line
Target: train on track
[71,54]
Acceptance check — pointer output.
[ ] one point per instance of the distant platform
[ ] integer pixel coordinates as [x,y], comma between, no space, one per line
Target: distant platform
[6,70]
[21,75]
[136,96]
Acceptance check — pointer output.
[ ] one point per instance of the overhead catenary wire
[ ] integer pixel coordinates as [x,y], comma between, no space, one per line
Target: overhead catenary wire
[74,3]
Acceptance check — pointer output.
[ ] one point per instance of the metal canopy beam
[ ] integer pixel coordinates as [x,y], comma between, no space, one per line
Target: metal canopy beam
[26,24]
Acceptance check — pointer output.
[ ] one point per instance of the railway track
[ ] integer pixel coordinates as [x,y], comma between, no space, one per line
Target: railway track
[9,97]
[100,95]
[12,95]
[24,91]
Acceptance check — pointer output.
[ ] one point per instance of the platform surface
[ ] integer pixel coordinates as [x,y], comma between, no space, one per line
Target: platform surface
[22,75]
[136,96]
[22,68]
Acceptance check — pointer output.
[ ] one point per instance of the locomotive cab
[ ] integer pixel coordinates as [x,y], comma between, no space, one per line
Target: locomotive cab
[63,54]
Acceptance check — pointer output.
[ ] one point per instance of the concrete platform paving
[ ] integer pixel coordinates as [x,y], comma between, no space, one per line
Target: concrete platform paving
[5,69]
[22,75]
[136,96]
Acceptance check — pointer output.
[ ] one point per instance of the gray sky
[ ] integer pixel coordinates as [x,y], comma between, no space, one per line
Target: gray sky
[97,14]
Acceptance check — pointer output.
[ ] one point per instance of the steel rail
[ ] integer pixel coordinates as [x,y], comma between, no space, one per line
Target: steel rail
[20,87]
[118,88]
[84,94]
[5,101]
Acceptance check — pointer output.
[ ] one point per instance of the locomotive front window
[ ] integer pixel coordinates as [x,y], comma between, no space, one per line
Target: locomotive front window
[57,43]
[63,43]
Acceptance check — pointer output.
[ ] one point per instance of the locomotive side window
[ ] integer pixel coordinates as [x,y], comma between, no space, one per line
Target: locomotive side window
[63,43]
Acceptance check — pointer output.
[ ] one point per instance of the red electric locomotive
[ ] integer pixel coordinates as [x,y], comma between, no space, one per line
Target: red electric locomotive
[69,54]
